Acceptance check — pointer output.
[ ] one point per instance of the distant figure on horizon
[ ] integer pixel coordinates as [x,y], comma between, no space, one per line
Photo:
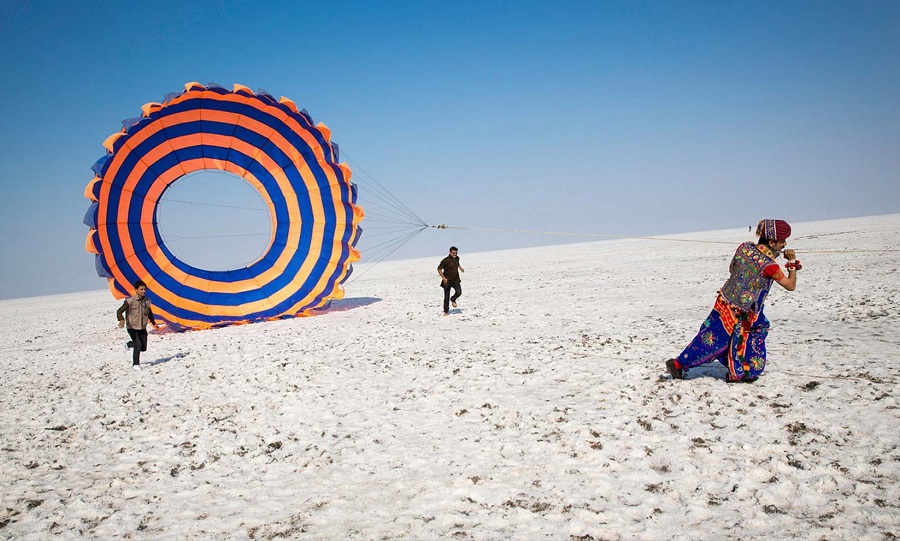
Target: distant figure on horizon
[137,312]
[735,331]
[449,269]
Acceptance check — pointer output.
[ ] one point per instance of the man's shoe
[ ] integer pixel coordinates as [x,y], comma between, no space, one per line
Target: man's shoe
[677,373]
[445,314]
[136,367]
[453,303]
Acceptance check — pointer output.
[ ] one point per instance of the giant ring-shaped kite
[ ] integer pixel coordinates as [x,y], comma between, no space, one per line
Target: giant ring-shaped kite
[269,143]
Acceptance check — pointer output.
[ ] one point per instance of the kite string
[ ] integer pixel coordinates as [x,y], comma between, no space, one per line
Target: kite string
[387,248]
[600,235]
[564,233]
[386,197]
[404,218]
[170,200]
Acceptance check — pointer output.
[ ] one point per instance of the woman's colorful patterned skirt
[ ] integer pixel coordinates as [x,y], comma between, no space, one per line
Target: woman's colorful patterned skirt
[735,338]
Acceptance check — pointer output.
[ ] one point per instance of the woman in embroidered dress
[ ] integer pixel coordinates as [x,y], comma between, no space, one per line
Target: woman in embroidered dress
[735,331]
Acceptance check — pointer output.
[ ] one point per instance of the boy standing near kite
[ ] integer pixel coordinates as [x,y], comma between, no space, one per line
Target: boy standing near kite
[137,313]
[735,331]
[449,269]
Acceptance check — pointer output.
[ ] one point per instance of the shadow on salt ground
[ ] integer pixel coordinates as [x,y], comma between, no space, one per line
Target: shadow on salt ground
[166,359]
[335,306]
[710,370]
[348,304]
[166,329]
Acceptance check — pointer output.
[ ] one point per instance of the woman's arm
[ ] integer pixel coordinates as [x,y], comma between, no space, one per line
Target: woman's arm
[789,281]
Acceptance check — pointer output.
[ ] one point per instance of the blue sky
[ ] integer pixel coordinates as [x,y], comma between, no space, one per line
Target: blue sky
[622,118]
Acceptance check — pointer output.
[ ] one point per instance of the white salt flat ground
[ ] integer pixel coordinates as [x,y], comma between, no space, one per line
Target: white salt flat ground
[540,409]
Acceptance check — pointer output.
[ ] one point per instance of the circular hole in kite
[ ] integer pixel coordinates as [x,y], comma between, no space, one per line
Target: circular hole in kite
[214,220]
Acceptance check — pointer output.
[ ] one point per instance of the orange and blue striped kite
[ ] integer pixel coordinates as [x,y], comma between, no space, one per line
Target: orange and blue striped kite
[271,144]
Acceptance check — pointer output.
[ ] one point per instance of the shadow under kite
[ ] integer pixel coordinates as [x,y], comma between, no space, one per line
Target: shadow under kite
[334,306]
[348,304]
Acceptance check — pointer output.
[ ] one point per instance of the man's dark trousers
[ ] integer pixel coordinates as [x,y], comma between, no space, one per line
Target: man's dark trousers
[457,292]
